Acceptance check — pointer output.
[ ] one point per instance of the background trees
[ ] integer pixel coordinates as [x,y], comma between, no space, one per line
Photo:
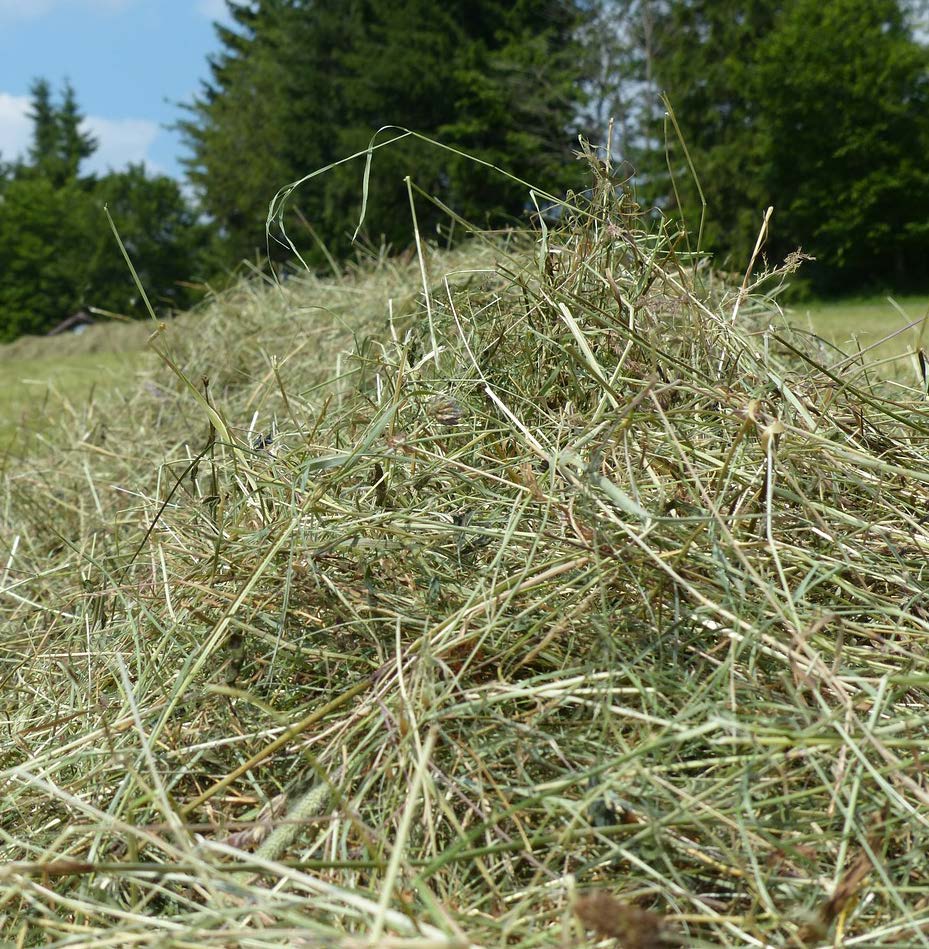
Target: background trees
[843,131]
[58,143]
[301,84]
[42,244]
[703,59]
[57,252]
[161,233]
[817,107]
[238,127]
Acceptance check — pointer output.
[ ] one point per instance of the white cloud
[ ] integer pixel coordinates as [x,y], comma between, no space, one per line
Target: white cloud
[211,9]
[120,140]
[14,126]
[33,9]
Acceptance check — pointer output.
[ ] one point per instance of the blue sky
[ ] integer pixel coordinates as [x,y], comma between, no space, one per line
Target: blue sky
[129,61]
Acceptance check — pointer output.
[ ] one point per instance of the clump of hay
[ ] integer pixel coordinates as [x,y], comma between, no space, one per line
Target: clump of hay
[553,594]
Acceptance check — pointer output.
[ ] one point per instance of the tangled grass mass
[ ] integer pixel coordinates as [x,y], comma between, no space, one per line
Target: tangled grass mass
[550,591]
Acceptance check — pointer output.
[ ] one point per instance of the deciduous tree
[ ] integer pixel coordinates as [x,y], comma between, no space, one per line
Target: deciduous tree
[843,107]
[817,107]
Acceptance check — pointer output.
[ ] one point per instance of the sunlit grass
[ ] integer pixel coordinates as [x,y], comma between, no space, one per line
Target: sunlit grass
[514,596]
[857,324]
[38,393]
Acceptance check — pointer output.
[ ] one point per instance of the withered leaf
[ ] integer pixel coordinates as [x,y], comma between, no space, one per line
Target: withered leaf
[635,928]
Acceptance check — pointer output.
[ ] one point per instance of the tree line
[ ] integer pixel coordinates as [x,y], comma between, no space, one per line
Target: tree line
[721,108]
[57,252]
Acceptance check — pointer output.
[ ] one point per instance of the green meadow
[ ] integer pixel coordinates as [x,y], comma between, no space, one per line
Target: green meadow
[889,330]
[46,378]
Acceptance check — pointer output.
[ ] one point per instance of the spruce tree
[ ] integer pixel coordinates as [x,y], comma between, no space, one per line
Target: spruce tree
[59,145]
[300,85]
[75,144]
[236,131]
[45,131]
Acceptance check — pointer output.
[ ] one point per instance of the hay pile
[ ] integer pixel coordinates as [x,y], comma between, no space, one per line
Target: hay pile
[567,600]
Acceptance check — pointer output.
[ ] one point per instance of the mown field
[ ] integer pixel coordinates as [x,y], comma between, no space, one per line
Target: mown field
[861,324]
[39,376]
[43,378]
[494,599]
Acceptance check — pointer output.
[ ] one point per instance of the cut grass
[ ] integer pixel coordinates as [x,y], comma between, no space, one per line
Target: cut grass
[41,374]
[856,324]
[104,337]
[36,394]
[45,378]
[372,622]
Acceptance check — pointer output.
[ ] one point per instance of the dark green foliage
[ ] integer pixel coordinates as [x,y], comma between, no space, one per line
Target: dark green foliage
[516,97]
[817,107]
[58,143]
[845,135]
[301,85]
[43,260]
[57,251]
[160,232]
[704,60]
[236,128]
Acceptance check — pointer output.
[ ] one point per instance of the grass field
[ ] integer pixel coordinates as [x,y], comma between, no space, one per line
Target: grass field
[43,379]
[475,603]
[39,376]
[36,392]
[856,324]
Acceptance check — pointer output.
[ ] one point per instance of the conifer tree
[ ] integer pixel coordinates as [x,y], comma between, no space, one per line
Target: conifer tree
[59,144]
[234,130]
[301,84]
[75,144]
